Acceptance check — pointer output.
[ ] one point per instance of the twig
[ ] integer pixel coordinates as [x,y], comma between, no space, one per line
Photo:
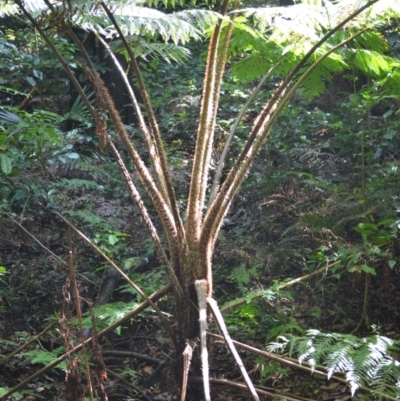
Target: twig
[28,97]
[187,360]
[258,294]
[130,354]
[79,313]
[221,324]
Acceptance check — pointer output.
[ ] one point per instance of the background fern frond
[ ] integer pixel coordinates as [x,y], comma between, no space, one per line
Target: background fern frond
[374,64]
[202,19]
[314,84]
[165,51]
[142,21]
[364,361]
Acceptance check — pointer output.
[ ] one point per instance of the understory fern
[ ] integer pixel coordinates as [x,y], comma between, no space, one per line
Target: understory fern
[363,361]
[44,357]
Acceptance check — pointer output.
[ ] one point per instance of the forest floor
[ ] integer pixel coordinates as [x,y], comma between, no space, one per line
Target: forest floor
[31,295]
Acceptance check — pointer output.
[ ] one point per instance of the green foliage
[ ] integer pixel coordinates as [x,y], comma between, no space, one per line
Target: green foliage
[309,139]
[110,242]
[241,275]
[286,34]
[43,357]
[364,361]
[86,216]
[148,281]
[26,137]
[108,314]
[278,331]
[21,394]
[271,371]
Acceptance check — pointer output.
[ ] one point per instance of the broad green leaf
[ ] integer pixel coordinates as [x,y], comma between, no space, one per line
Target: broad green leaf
[113,239]
[6,165]
[367,269]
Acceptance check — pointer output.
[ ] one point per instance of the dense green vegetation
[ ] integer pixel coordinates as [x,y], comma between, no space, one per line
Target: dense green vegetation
[259,153]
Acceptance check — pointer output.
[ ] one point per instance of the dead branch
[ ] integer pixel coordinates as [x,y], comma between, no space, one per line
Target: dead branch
[221,324]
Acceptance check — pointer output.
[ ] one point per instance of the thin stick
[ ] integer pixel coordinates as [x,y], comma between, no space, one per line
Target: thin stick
[258,294]
[79,312]
[221,324]
[201,291]
[44,247]
[187,360]
[221,162]
[243,387]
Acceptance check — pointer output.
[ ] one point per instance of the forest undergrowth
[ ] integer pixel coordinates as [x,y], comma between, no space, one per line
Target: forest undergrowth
[306,262]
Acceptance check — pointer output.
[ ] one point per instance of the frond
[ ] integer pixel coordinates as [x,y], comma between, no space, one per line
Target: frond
[260,53]
[384,9]
[133,19]
[7,8]
[142,21]
[372,40]
[202,19]
[314,84]
[286,23]
[364,361]
[79,111]
[251,67]
[372,63]
[142,48]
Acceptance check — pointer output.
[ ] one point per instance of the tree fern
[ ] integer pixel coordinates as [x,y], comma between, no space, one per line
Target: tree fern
[364,361]
[132,17]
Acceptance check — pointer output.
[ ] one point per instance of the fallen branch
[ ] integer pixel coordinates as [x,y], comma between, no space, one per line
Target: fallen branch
[221,324]
[243,387]
[201,291]
[130,354]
